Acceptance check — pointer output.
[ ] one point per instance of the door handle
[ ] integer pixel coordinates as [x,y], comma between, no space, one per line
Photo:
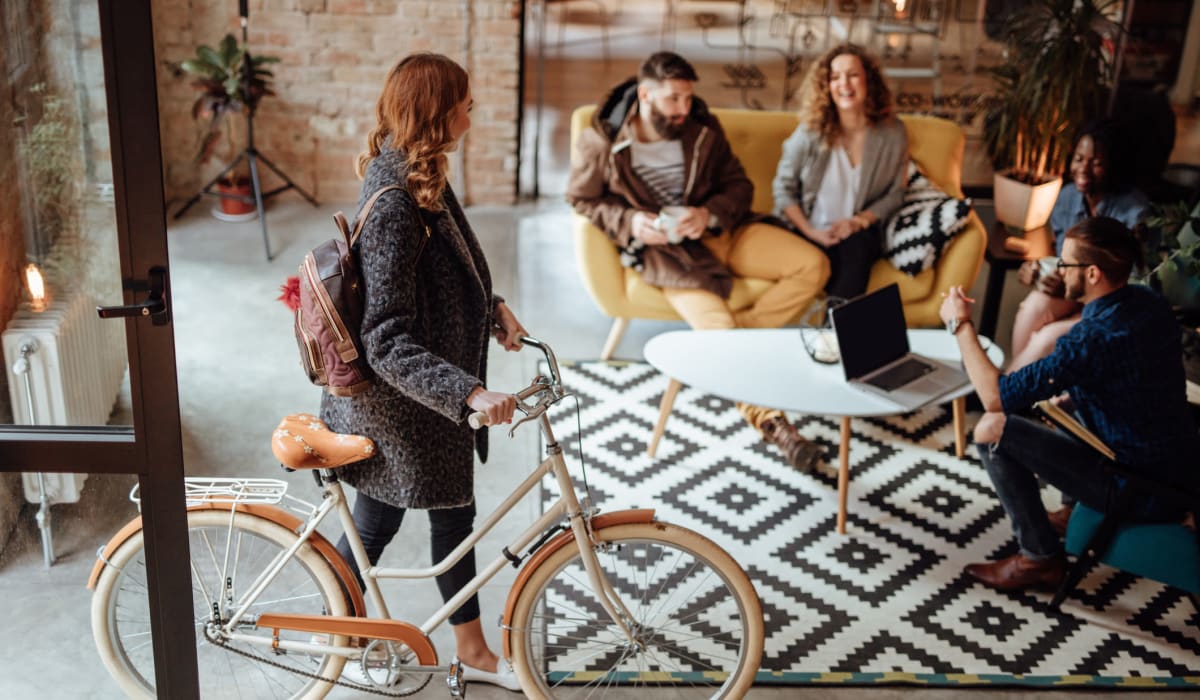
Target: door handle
[155,305]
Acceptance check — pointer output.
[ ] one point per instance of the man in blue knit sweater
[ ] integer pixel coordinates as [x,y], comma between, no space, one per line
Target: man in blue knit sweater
[1122,367]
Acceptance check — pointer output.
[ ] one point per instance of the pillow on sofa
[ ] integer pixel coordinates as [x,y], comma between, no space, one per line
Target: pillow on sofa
[916,235]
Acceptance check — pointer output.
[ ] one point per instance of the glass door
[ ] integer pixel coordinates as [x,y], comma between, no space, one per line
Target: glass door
[88,405]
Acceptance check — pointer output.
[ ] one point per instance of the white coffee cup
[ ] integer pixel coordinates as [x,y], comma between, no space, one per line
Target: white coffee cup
[1047,266]
[668,222]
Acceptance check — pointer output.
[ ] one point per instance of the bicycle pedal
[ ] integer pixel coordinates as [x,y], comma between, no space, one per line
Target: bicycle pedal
[454,680]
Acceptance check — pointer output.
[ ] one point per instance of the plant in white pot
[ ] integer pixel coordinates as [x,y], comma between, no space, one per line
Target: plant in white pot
[231,87]
[1056,76]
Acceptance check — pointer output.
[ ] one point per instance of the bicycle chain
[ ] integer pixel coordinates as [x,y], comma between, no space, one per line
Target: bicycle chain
[220,642]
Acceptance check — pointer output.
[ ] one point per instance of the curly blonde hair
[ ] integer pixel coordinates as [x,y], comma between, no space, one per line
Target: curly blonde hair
[817,110]
[420,98]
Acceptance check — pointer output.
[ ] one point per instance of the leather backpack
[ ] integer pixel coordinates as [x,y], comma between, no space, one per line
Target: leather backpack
[328,318]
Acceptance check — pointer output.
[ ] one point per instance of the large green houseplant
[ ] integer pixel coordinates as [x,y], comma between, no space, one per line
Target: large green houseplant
[230,87]
[1055,76]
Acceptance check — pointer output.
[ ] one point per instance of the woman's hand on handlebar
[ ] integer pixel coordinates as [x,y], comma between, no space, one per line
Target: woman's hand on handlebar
[508,331]
[497,406]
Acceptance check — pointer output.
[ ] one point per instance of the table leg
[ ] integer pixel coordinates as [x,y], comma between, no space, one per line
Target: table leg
[991,300]
[959,409]
[843,475]
[664,410]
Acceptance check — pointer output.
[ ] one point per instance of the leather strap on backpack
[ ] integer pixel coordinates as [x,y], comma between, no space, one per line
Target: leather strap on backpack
[366,210]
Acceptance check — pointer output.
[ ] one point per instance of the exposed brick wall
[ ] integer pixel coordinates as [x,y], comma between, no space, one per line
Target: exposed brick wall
[335,55]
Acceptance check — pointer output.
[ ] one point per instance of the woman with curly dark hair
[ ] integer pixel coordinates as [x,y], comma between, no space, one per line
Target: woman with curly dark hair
[842,171]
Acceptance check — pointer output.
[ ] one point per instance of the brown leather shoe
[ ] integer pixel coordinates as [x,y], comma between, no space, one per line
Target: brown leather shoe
[803,455]
[1018,571]
[1060,518]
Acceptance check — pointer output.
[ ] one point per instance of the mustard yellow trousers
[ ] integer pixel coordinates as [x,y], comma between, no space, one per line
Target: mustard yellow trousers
[798,269]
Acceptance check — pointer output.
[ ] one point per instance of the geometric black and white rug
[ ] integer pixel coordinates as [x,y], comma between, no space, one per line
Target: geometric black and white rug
[888,602]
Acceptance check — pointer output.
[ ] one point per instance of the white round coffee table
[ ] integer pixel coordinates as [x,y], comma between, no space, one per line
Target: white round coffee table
[770,367]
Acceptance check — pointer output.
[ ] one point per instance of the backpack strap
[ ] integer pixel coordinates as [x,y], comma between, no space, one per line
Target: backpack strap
[366,210]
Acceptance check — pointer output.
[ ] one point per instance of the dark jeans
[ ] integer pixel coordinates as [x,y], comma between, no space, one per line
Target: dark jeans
[1028,450]
[850,262]
[378,522]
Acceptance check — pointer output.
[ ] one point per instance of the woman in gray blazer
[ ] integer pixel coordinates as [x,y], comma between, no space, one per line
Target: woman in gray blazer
[429,309]
[842,171]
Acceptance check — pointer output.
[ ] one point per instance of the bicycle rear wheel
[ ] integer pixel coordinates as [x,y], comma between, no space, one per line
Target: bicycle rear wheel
[306,584]
[697,619]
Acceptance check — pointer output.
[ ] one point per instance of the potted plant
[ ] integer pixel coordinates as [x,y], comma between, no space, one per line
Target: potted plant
[230,87]
[1055,76]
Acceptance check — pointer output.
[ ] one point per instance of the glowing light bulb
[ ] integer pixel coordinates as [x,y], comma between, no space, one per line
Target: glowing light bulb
[37,287]
[900,5]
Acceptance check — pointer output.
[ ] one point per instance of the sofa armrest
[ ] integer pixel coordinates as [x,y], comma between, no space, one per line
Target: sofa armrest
[600,267]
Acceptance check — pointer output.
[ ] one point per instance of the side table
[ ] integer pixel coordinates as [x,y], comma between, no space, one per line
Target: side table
[1007,251]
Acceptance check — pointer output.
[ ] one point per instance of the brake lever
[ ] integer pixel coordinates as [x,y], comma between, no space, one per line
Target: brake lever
[528,417]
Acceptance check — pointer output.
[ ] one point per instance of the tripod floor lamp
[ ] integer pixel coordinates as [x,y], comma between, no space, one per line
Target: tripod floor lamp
[250,154]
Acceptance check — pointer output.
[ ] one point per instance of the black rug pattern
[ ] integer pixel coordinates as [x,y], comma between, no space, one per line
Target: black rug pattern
[887,601]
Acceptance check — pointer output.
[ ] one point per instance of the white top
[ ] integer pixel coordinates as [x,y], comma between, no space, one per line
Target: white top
[838,192]
[770,367]
[660,165]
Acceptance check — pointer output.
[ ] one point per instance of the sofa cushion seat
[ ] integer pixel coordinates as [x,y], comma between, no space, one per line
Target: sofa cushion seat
[746,290]
[912,288]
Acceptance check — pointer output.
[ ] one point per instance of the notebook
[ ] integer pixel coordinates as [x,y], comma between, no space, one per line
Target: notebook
[873,342]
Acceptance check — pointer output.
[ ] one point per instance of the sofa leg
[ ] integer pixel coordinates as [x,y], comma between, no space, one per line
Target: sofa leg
[614,338]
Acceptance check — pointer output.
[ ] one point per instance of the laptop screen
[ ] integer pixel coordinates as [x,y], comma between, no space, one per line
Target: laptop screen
[870,331]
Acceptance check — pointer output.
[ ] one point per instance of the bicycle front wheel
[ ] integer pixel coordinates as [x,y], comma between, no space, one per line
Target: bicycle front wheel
[222,555]
[697,621]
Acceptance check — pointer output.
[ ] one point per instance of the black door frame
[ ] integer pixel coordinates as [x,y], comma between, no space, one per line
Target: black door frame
[152,448]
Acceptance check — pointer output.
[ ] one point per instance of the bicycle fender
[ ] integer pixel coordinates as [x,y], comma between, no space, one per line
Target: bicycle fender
[562,539]
[276,515]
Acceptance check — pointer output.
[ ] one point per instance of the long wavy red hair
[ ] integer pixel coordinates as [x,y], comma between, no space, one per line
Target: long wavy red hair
[420,98]
[817,110]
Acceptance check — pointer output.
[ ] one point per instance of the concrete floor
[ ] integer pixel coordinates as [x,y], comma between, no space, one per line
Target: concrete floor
[229,409]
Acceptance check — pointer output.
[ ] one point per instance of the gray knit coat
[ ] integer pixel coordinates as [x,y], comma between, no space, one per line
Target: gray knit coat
[426,327]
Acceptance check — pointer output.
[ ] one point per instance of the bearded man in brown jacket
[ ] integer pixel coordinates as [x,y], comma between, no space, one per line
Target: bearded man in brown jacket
[653,144]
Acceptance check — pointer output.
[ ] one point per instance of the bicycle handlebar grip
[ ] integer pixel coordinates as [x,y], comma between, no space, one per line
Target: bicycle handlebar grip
[477,420]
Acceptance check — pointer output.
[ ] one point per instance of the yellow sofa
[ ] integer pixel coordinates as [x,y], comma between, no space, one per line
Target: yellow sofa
[757,138]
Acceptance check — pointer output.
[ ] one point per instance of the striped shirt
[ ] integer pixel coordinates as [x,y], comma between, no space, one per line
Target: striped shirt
[659,164]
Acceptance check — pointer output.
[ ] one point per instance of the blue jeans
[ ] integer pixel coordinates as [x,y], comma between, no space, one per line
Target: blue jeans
[378,523]
[1028,450]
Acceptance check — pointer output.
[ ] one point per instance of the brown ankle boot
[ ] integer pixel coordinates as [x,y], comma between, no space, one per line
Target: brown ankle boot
[1019,572]
[802,454]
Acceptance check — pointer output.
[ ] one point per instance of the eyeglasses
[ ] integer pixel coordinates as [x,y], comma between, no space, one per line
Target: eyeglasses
[1060,265]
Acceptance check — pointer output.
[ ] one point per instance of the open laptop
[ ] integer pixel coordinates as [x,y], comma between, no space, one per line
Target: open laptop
[873,342]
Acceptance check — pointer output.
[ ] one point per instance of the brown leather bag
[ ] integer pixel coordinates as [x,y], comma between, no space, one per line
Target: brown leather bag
[329,317]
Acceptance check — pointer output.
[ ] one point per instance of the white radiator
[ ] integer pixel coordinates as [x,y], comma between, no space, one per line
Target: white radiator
[75,365]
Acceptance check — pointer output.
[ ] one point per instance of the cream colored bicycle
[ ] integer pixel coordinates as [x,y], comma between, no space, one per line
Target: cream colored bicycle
[601,602]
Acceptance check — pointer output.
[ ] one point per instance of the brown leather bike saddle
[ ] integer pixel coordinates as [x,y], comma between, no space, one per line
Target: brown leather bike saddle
[303,441]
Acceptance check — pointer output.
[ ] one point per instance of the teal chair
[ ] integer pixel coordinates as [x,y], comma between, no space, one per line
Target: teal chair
[1164,552]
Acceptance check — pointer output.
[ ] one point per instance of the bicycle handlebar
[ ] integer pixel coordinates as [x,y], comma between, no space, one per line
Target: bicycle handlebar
[478,419]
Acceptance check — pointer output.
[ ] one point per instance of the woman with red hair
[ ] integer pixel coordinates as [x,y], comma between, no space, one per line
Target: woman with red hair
[429,311]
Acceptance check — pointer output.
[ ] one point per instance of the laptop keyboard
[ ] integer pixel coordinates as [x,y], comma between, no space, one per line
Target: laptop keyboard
[900,375]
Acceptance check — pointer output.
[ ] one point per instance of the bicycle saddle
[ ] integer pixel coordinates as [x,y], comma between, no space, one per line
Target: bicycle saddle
[303,441]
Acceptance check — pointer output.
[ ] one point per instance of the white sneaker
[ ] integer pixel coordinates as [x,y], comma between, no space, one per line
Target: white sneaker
[503,677]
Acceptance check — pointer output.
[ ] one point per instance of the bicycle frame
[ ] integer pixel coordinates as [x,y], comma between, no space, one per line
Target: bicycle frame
[567,507]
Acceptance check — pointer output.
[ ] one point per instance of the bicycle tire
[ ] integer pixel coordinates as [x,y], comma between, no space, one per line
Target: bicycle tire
[307,584]
[698,616]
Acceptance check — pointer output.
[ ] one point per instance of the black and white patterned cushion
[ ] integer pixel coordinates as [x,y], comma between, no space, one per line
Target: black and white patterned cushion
[916,235]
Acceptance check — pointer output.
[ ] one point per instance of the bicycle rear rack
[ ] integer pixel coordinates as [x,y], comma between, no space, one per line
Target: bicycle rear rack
[203,489]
